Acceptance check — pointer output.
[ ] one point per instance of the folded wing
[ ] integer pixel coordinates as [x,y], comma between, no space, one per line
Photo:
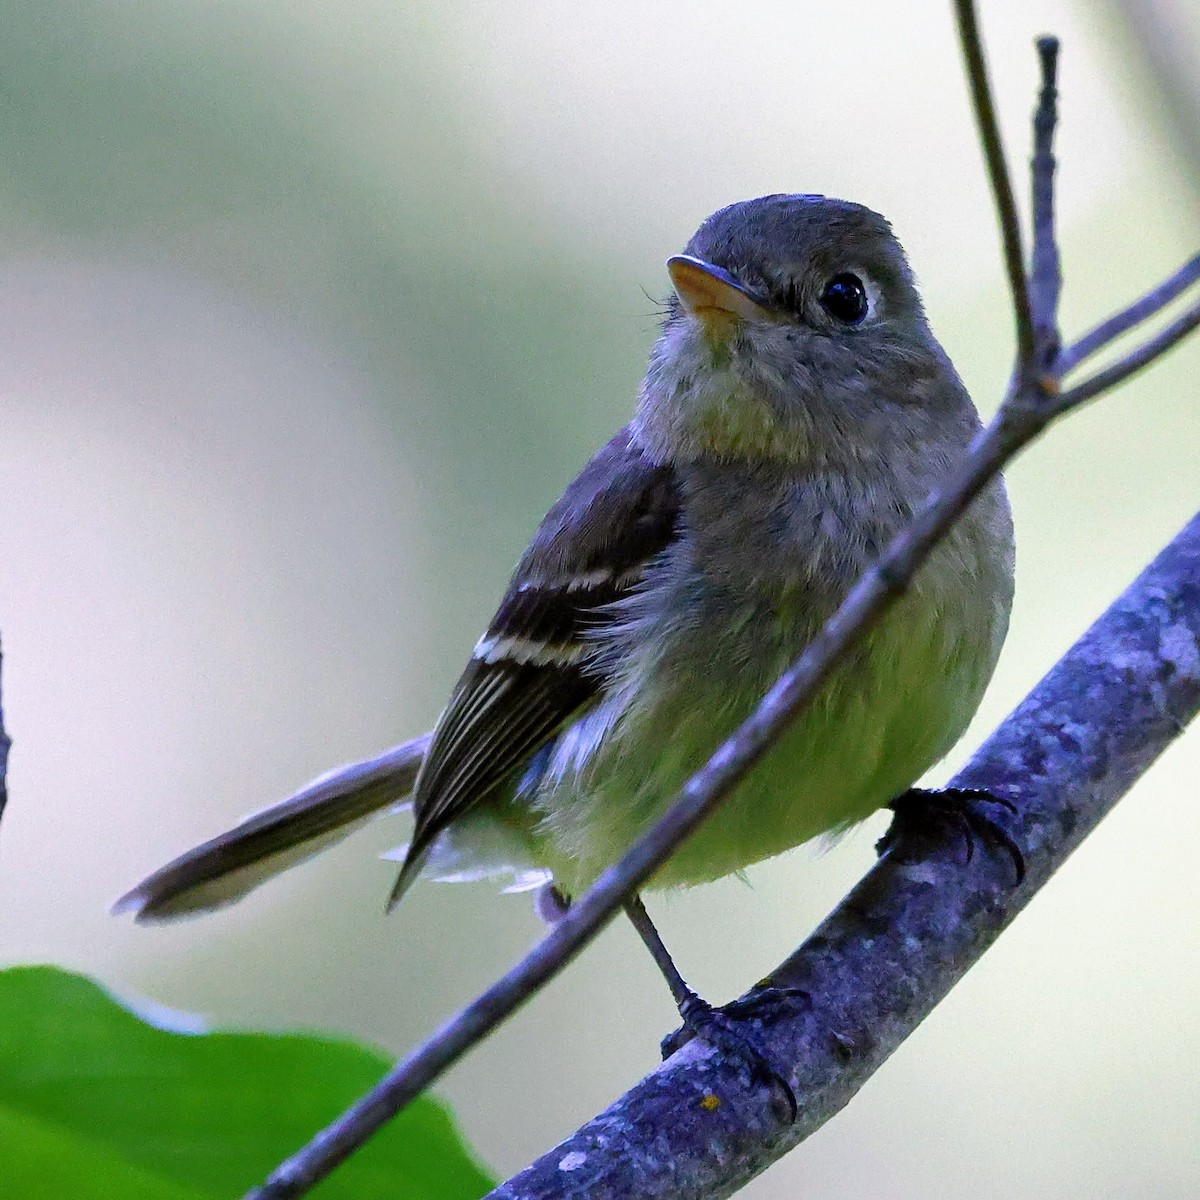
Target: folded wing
[531,672]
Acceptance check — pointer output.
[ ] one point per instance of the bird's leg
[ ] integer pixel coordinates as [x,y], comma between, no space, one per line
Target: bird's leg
[924,813]
[680,992]
[550,904]
[723,1028]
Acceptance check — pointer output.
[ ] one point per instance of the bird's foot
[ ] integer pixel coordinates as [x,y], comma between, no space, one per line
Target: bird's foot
[726,1030]
[922,813]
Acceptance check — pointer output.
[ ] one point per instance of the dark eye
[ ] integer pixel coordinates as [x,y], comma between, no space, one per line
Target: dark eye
[845,299]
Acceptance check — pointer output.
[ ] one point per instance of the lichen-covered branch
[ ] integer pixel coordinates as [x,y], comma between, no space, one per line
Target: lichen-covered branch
[908,932]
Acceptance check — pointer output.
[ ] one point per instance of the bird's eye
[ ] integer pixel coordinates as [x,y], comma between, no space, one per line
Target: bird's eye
[845,299]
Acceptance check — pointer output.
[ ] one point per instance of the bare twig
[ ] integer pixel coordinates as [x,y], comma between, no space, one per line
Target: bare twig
[5,746]
[1045,281]
[1125,690]
[701,795]
[1002,191]
[1128,318]
[1134,361]
[1031,404]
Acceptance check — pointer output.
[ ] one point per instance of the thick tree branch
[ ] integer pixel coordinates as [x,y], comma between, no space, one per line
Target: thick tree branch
[913,926]
[1033,402]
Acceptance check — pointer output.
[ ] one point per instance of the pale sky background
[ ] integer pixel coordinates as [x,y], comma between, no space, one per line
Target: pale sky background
[308,311]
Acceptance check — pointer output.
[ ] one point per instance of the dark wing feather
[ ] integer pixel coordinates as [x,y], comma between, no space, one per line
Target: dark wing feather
[529,673]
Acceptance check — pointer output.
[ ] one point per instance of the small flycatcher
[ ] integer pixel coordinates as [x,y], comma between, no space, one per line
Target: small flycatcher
[796,410]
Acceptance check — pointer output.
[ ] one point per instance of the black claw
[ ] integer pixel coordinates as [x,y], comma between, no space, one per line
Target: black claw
[925,812]
[724,1028]
[763,1002]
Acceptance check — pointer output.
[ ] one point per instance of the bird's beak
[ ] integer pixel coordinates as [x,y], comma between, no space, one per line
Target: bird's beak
[709,292]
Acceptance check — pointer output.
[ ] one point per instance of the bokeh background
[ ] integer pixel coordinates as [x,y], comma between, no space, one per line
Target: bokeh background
[308,311]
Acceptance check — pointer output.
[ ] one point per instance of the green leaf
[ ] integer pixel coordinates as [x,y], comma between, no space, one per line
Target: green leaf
[96,1103]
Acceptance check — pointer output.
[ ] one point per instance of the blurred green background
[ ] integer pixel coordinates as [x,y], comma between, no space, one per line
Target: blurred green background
[308,311]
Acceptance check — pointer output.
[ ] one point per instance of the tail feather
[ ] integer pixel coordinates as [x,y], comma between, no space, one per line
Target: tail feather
[227,867]
[409,870]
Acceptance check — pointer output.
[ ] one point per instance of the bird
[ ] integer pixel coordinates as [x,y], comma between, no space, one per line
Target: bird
[795,412]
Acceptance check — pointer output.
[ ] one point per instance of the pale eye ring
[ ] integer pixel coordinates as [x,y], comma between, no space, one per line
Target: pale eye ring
[845,299]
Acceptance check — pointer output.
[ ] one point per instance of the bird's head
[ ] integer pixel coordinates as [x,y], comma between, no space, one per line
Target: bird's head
[795,331]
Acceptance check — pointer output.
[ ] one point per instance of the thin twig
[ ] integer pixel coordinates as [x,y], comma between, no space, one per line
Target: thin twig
[5,746]
[1135,361]
[997,170]
[916,923]
[1137,312]
[1045,279]
[1014,427]
[702,793]
[1022,417]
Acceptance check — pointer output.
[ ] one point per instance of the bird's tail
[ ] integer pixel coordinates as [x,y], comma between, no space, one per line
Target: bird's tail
[225,868]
